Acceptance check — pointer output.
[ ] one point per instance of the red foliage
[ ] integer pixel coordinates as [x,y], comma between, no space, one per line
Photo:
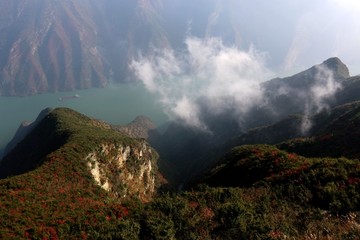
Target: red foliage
[326,137]
[274,153]
[27,235]
[207,213]
[258,153]
[15,212]
[83,235]
[193,205]
[61,221]
[119,211]
[50,233]
[352,180]
[275,234]
[292,156]
[61,190]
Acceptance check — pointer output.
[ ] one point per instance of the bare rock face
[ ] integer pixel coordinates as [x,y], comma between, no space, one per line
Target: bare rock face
[49,46]
[57,45]
[61,45]
[124,170]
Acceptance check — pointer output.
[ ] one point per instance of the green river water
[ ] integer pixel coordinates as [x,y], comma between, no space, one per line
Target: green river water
[118,104]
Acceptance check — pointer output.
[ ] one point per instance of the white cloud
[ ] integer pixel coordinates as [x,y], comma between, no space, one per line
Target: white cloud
[324,89]
[224,78]
[145,72]
[188,112]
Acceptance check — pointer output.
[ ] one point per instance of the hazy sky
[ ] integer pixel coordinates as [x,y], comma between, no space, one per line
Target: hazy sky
[298,34]
[217,75]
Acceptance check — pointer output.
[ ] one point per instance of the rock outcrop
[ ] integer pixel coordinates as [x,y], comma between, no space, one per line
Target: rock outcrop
[50,46]
[123,170]
[122,166]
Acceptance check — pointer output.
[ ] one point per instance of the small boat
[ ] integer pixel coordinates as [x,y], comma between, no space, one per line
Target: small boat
[68,97]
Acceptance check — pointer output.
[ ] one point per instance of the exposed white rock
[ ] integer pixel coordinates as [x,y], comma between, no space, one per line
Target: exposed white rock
[95,170]
[134,169]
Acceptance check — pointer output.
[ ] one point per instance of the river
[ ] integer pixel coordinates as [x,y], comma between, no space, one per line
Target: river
[118,104]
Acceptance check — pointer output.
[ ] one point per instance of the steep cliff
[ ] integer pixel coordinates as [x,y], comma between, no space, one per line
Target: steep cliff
[123,170]
[49,46]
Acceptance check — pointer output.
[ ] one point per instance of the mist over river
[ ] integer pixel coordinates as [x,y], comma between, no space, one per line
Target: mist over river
[118,104]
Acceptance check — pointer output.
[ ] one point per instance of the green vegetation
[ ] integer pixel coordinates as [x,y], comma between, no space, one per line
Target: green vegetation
[328,183]
[57,197]
[255,192]
[337,134]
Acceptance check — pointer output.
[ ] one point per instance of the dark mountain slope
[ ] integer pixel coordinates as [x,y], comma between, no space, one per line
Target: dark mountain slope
[292,127]
[24,130]
[280,131]
[350,90]
[256,192]
[194,151]
[32,151]
[307,92]
[307,78]
[307,170]
[333,134]
[336,134]
[140,127]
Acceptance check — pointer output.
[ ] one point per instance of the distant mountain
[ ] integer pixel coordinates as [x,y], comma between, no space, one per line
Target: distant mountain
[307,92]
[289,104]
[140,127]
[350,90]
[48,46]
[280,131]
[328,152]
[335,135]
[62,45]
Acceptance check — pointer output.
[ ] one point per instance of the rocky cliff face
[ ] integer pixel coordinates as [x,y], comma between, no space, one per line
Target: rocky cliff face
[124,170]
[50,46]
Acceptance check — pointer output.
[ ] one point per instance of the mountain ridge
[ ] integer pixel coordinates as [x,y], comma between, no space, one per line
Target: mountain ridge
[294,96]
[50,46]
[64,132]
[76,190]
